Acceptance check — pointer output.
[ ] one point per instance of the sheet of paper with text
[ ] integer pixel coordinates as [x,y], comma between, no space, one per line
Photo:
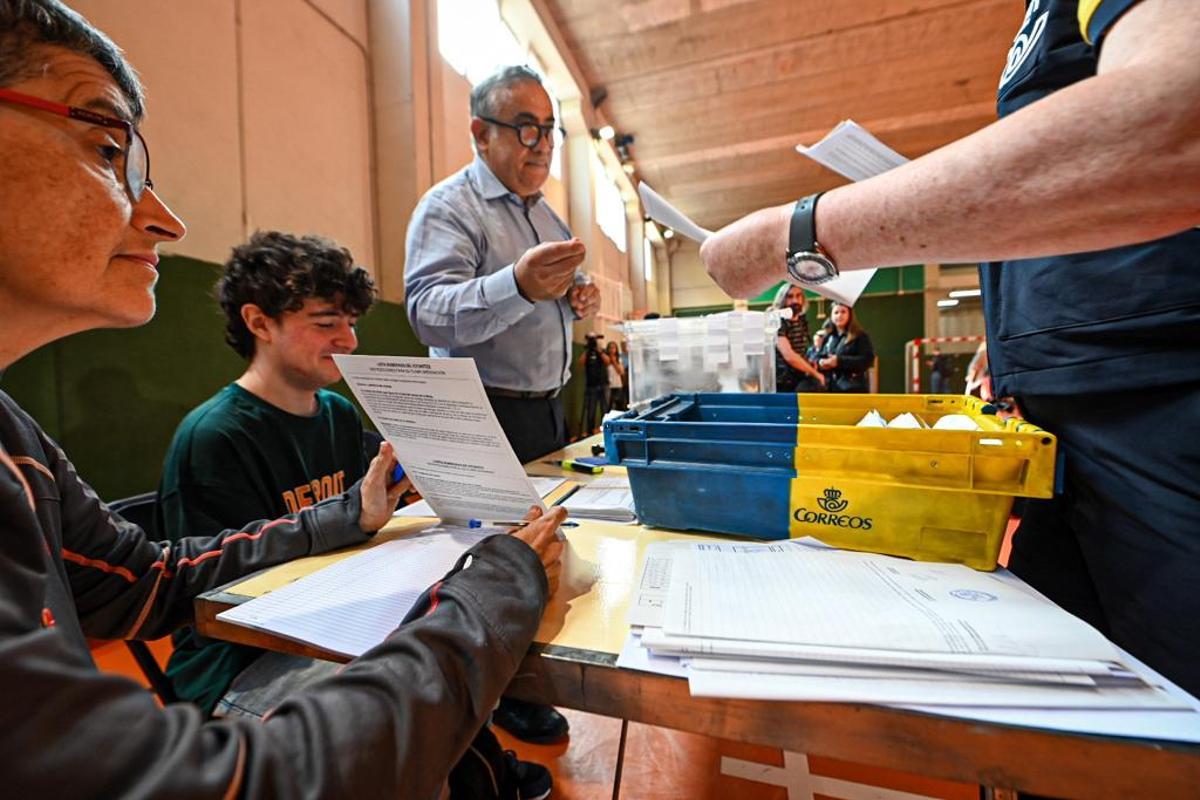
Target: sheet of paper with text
[438,418]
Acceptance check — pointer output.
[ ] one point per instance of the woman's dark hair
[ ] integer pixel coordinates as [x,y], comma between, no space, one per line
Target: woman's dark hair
[278,271]
[26,26]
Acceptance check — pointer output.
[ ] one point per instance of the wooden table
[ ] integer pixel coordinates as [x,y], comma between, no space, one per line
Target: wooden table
[573,665]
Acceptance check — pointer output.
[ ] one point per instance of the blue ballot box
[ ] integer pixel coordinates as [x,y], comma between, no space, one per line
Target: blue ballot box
[776,466]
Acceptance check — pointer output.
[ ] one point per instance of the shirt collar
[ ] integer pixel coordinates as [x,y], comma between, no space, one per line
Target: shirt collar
[490,187]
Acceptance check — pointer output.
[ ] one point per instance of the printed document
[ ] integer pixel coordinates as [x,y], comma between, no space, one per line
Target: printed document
[437,417]
[846,288]
[421,508]
[602,498]
[791,593]
[354,604]
[850,150]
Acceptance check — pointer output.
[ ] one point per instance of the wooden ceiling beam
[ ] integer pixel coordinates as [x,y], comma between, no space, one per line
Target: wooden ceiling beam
[611,50]
[873,50]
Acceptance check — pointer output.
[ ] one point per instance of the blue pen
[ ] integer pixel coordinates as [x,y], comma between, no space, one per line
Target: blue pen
[398,473]
[504,523]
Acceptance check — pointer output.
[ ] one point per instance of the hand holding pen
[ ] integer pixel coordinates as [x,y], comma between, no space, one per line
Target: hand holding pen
[540,531]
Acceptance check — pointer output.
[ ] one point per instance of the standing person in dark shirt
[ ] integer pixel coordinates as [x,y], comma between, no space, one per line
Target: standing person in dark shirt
[793,371]
[939,372]
[594,362]
[1090,294]
[80,224]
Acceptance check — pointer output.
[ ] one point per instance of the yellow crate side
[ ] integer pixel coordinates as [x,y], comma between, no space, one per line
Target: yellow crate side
[1009,457]
[924,525]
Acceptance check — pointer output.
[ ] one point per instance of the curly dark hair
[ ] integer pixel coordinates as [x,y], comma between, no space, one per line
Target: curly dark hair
[278,271]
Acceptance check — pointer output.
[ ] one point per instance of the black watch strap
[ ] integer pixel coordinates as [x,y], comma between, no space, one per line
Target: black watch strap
[803,235]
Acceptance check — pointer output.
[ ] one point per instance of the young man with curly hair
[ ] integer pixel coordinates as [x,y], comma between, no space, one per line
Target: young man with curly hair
[275,440]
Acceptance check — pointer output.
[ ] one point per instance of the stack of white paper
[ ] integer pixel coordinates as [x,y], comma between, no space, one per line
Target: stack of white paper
[354,604]
[603,498]
[797,620]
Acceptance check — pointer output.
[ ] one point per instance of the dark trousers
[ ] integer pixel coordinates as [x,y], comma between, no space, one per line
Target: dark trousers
[593,408]
[534,426]
[1120,548]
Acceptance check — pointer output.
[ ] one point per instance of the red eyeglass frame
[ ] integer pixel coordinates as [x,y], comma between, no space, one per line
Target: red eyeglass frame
[91,117]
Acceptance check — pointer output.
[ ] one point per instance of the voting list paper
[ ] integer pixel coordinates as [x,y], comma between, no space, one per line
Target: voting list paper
[846,288]
[728,591]
[437,417]
[850,150]
[353,605]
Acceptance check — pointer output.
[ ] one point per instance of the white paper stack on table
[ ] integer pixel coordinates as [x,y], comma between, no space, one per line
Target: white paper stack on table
[797,620]
[603,498]
[354,604]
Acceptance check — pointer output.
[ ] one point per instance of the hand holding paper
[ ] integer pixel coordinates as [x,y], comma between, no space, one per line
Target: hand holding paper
[754,264]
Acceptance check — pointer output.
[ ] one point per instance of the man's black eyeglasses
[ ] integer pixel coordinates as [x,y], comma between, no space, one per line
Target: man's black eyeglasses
[137,157]
[530,134]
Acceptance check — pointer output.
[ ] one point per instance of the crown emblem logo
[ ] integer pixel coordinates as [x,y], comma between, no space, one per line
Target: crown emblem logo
[832,501]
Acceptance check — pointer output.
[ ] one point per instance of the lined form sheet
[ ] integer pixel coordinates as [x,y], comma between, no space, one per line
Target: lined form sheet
[766,593]
[355,604]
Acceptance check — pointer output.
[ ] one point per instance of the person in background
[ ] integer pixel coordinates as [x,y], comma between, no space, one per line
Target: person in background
[618,387]
[793,371]
[818,341]
[595,364]
[939,372]
[847,353]
[80,225]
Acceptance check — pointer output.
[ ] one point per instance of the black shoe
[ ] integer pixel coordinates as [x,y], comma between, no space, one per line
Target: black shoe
[533,780]
[530,722]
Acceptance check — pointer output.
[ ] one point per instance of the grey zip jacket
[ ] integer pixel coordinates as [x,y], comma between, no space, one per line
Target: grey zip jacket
[390,724]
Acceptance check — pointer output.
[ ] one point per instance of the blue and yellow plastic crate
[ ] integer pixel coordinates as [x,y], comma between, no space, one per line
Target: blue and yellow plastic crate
[778,466]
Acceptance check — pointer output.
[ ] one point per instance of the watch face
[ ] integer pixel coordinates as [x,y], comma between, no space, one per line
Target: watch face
[808,267]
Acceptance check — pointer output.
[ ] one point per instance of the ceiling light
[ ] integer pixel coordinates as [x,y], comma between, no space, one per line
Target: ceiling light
[947,303]
[607,133]
[966,293]
[668,234]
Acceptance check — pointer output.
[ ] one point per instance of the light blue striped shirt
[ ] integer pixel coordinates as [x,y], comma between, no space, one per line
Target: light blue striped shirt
[464,239]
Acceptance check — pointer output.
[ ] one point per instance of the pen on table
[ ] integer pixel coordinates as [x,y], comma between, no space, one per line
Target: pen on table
[576,466]
[507,523]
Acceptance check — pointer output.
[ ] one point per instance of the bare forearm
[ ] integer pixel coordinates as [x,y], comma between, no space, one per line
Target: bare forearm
[1109,161]
[1091,167]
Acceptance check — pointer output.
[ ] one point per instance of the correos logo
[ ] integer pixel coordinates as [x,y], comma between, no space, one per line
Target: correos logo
[832,504]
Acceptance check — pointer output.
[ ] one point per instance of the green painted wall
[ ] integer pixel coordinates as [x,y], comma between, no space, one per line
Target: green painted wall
[891,321]
[112,399]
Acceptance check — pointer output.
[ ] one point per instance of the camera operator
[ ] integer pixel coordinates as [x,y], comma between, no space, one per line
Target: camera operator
[594,362]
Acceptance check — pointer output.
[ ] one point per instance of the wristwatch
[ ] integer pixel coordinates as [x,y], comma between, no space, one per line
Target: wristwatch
[807,263]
